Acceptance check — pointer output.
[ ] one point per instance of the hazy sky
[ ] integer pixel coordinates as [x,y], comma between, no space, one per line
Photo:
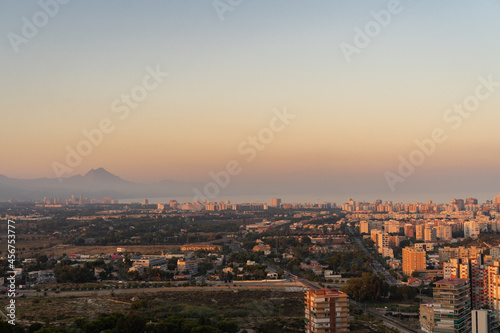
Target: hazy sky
[353,119]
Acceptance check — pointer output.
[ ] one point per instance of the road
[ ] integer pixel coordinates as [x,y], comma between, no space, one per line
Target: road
[213,285]
[488,245]
[400,325]
[309,284]
[234,246]
[376,266]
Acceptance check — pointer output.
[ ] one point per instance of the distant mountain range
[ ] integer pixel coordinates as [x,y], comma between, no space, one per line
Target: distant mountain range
[97,183]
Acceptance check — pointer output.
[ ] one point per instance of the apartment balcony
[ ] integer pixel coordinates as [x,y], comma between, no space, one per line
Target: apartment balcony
[320,322]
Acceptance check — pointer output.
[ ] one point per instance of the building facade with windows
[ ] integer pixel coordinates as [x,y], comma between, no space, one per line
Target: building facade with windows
[452,306]
[326,311]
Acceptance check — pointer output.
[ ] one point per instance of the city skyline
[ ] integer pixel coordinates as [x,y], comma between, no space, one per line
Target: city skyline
[250,166]
[211,80]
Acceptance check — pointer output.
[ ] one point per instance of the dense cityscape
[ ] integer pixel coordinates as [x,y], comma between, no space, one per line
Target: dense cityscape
[232,166]
[356,266]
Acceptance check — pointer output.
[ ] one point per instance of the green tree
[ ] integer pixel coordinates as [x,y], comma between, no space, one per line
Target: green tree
[228,326]
[306,240]
[368,287]
[34,327]
[172,264]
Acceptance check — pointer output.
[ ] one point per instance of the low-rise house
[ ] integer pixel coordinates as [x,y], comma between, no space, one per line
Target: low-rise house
[261,248]
[98,270]
[187,265]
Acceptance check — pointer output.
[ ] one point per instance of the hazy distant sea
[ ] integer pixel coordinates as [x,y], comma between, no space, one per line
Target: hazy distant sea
[320,198]
[263,198]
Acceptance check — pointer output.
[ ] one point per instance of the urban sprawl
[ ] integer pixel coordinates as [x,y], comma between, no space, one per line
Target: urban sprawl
[357,266]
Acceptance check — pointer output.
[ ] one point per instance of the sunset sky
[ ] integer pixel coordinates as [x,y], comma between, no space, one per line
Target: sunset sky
[225,77]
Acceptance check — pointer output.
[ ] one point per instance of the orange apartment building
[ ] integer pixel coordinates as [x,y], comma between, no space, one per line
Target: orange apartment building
[327,311]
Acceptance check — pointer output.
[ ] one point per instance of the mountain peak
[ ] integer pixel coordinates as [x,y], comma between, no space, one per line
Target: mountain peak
[99,170]
[100,174]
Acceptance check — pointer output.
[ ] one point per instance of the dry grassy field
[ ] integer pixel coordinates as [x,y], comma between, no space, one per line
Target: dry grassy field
[249,306]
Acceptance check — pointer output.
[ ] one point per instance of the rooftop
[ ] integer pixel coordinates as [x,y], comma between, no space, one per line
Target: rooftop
[451,281]
[325,292]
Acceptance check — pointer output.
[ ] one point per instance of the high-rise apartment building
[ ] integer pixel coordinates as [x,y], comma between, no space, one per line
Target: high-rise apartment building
[427,317]
[484,280]
[479,283]
[495,252]
[275,202]
[364,227]
[382,241]
[461,252]
[452,308]
[430,234]
[471,201]
[419,231]
[484,321]
[473,228]
[494,291]
[392,227]
[456,268]
[458,203]
[413,260]
[326,311]
[444,232]
[409,230]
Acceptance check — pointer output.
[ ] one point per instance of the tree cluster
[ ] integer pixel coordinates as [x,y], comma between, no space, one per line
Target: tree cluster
[371,287]
[131,323]
[350,263]
[64,272]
